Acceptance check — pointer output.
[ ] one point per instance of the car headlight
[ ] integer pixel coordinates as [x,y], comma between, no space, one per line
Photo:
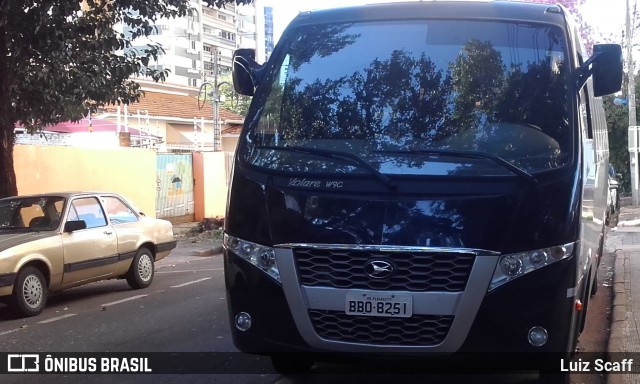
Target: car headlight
[262,257]
[514,265]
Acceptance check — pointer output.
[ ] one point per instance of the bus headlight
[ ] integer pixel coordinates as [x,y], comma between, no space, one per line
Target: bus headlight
[258,255]
[514,265]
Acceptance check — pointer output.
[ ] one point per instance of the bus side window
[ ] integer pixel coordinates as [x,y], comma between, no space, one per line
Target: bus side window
[585,114]
[585,108]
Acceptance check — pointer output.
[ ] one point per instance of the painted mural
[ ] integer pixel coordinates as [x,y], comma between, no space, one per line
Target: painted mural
[174,185]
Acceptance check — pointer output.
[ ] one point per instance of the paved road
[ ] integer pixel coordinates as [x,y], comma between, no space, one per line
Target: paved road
[184,310]
[109,316]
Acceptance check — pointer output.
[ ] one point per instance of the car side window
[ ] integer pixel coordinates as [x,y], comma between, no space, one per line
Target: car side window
[117,211]
[34,217]
[89,210]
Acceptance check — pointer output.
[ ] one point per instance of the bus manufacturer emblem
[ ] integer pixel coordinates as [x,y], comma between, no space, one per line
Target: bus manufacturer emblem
[378,269]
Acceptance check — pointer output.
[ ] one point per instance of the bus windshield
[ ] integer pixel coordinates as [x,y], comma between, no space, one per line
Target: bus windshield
[398,93]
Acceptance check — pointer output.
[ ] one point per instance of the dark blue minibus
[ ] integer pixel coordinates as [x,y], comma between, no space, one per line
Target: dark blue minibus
[419,178]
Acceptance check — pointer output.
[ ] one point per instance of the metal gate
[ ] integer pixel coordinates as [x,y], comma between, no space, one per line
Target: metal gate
[174,186]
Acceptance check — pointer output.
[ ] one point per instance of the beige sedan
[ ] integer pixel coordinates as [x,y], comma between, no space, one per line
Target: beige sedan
[52,242]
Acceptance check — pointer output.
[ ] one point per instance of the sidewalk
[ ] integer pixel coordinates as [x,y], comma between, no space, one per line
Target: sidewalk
[192,243]
[624,241]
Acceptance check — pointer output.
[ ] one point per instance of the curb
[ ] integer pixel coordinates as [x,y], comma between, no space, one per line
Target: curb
[215,250]
[617,336]
[619,308]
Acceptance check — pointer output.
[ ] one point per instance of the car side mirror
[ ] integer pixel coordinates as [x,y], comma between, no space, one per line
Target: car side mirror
[74,225]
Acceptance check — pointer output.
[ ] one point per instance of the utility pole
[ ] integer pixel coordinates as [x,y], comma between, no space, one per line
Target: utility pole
[216,97]
[217,145]
[631,103]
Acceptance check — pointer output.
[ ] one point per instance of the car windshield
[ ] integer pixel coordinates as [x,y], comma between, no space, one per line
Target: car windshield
[41,213]
[406,96]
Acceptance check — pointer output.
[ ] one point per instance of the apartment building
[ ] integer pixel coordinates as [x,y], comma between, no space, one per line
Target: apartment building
[201,44]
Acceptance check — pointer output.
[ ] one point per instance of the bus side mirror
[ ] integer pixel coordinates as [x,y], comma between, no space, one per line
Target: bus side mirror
[607,69]
[246,71]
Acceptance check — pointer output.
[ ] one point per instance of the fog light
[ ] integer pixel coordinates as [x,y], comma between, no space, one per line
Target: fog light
[538,336]
[243,321]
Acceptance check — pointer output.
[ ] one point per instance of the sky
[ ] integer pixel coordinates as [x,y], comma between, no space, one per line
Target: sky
[607,16]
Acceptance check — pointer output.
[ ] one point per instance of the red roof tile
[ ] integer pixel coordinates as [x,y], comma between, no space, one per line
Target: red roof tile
[232,130]
[172,105]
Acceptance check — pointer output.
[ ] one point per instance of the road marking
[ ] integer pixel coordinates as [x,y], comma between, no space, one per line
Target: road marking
[193,270]
[123,300]
[51,320]
[8,332]
[190,282]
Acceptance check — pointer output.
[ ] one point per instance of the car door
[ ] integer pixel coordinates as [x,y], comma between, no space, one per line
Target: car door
[126,224]
[90,253]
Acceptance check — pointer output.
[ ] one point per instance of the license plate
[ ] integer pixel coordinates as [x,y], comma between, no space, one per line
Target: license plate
[369,303]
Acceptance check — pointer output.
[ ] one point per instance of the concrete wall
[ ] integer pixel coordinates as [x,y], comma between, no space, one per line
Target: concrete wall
[128,171]
[230,143]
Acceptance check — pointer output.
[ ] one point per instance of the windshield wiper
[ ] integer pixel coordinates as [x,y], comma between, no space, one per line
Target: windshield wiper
[341,156]
[474,155]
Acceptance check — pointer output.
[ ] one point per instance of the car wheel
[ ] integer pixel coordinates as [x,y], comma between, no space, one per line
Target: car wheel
[30,292]
[141,271]
[291,364]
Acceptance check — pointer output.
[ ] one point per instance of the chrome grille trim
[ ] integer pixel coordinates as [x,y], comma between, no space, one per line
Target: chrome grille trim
[466,307]
[388,248]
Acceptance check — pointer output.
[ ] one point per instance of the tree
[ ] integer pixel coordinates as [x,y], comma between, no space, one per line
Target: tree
[618,127]
[233,101]
[478,75]
[61,59]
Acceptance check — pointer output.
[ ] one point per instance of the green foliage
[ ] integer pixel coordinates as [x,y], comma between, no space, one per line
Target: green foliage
[60,59]
[478,74]
[618,127]
[64,61]
[234,102]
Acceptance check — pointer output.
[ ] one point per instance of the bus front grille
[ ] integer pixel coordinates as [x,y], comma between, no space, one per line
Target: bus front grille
[412,271]
[422,330]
